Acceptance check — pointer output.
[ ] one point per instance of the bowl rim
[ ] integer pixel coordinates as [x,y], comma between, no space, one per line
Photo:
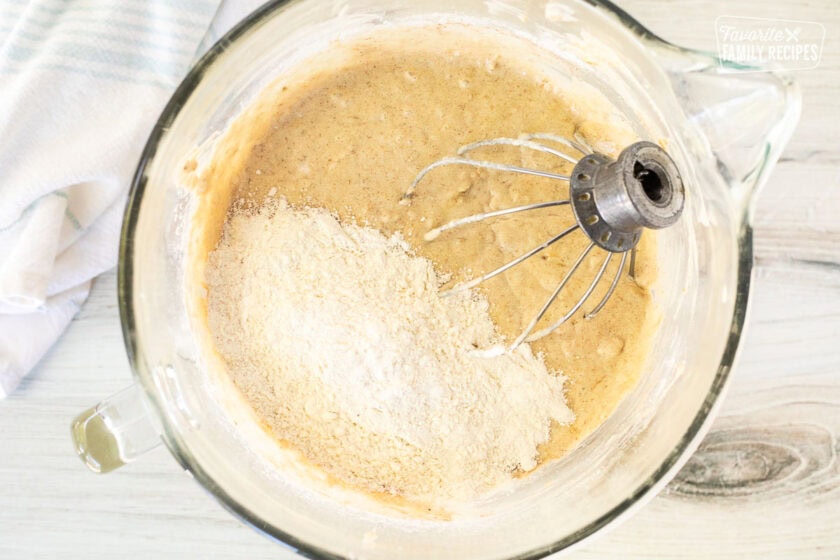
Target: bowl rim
[647,490]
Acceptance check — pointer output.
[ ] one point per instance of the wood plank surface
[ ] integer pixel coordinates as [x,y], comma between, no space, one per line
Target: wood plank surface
[765,483]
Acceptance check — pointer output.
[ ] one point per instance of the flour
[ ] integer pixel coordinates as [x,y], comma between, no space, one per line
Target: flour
[338,338]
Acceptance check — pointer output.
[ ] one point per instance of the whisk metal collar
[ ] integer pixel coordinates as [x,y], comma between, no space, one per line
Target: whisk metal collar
[614,201]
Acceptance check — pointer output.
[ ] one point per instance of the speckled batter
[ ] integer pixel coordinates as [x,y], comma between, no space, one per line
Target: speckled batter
[350,132]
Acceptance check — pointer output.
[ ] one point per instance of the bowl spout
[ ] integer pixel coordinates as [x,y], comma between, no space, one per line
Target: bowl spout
[746,114]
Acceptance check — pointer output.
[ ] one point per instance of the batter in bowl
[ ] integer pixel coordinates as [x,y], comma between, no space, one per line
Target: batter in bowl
[349,132]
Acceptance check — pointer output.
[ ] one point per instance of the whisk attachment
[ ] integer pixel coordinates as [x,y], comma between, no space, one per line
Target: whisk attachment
[613,201]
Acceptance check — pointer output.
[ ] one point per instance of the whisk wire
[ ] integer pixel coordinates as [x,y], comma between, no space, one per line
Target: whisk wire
[611,289]
[520,142]
[524,335]
[559,140]
[571,272]
[483,165]
[510,264]
[432,234]
[548,330]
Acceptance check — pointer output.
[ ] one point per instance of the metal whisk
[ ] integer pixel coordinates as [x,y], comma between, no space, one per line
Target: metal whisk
[612,201]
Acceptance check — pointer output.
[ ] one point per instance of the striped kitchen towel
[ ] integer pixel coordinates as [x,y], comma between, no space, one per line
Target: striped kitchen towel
[81,85]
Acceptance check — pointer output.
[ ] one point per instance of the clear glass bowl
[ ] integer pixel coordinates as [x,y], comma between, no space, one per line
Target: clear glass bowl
[725,128]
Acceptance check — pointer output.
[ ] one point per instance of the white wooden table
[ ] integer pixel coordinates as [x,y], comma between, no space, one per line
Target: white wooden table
[765,483]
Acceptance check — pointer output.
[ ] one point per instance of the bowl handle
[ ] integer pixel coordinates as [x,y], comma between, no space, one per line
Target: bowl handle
[115,432]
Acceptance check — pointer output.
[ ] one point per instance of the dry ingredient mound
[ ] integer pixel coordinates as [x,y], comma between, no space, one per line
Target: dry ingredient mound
[338,338]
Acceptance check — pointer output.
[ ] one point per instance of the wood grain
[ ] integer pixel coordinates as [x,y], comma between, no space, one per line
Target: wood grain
[781,442]
[764,484]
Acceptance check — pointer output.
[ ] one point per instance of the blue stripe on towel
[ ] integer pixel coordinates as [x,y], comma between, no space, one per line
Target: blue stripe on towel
[23,214]
[162,83]
[41,36]
[115,10]
[175,34]
[71,217]
[187,6]
[167,68]
[151,40]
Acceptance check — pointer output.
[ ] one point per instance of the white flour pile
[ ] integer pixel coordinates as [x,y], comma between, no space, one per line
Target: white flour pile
[338,338]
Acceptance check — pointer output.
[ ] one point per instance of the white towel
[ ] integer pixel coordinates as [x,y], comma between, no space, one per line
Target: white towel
[81,85]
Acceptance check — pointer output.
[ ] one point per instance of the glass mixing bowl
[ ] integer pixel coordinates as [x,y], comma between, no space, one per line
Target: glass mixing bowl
[725,129]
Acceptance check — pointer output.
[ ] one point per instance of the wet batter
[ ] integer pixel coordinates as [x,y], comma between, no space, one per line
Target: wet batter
[350,132]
